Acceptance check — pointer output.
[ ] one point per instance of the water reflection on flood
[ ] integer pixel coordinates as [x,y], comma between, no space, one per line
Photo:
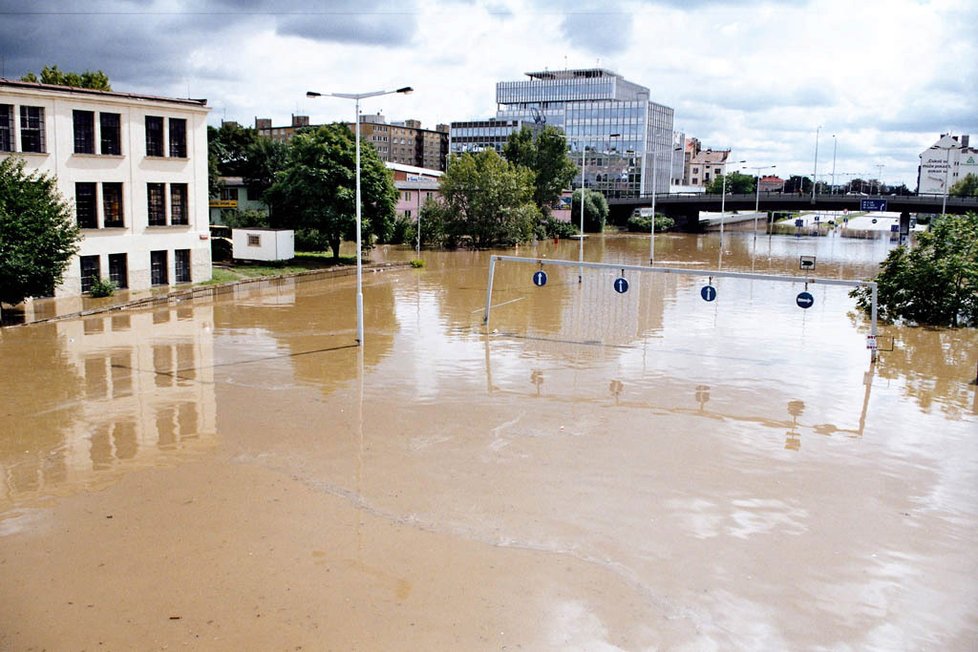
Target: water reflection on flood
[738,466]
[92,397]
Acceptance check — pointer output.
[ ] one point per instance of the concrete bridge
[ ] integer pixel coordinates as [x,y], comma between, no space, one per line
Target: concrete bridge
[685,208]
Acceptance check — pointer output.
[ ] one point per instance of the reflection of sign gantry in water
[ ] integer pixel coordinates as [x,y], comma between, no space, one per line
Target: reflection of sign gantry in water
[616,388]
[620,285]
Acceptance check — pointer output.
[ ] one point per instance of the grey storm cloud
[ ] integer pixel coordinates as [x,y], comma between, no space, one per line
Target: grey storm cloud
[149,42]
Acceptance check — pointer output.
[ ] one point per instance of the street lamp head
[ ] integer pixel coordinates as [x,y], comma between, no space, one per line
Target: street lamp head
[407,90]
[313,94]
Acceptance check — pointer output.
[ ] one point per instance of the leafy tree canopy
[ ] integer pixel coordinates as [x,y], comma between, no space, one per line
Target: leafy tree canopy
[96,80]
[228,148]
[966,187]
[38,235]
[595,210]
[316,191]
[737,183]
[935,282]
[545,153]
[487,198]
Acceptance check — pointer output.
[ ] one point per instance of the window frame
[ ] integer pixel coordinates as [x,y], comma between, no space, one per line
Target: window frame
[90,211]
[155,137]
[113,206]
[182,269]
[83,131]
[159,272]
[110,135]
[156,214]
[119,274]
[6,127]
[94,273]
[179,204]
[33,129]
[177,138]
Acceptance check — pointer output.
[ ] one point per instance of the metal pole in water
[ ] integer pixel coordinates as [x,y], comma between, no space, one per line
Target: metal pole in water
[492,272]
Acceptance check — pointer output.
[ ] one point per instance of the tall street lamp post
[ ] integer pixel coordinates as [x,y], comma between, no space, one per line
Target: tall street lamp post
[757,193]
[815,171]
[356,97]
[723,200]
[834,143]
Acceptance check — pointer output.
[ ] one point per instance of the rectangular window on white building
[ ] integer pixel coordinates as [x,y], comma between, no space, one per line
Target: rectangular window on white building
[181,265]
[178,138]
[158,272]
[154,135]
[178,204]
[86,205]
[32,137]
[84,131]
[6,127]
[156,204]
[90,272]
[112,215]
[119,270]
[111,137]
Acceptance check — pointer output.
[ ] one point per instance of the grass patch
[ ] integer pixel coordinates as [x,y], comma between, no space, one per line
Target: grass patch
[303,262]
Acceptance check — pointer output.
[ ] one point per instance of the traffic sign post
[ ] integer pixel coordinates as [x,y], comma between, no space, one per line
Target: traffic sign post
[806,262]
[805,300]
[870,205]
[621,285]
[709,293]
[540,278]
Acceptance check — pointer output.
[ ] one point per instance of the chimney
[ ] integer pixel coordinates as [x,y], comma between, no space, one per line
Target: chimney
[965,140]
[300,120]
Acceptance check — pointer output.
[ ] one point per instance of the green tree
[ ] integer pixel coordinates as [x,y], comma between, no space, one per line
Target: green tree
[229,146]
[796,184]
[935,282]
[738,183]
[545,153]
[96,79]
[487,198]
[38,235]
[966,187]
[595,210]
[264,158]
[316,191]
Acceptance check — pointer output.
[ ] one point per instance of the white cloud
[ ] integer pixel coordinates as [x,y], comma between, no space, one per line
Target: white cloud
[755,75]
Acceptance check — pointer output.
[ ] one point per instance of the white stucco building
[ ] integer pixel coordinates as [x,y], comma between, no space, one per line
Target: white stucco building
[133,167]
[945,163]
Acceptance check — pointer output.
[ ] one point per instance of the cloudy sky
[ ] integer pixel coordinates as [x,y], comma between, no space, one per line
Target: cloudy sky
[884,77]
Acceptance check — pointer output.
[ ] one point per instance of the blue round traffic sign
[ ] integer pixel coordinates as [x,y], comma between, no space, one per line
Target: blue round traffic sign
[709,293]
[805,300]
[621,285]
[540,278]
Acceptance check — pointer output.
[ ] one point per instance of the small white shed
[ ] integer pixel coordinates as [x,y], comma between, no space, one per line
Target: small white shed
[263,244]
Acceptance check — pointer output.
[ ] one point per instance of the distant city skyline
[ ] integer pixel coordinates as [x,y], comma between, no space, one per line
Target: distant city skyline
[758,77]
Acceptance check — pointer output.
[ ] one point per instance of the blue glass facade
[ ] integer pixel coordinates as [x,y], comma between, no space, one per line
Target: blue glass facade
[610,123]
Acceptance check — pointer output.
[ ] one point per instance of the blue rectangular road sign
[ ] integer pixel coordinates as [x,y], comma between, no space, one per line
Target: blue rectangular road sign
[872,204]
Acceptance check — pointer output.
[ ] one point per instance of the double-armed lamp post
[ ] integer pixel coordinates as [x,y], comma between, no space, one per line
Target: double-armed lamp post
[356,97]
[723,198]
[757,192]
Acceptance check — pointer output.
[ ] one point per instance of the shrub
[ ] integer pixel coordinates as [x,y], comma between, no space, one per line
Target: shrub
[102,287]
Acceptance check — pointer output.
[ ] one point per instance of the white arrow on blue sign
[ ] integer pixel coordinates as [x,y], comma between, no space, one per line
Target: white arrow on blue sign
[621,285]
[805,300]
[540,279]
[709,293]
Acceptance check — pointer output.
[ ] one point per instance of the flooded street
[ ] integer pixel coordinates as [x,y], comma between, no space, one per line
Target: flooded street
[601,471]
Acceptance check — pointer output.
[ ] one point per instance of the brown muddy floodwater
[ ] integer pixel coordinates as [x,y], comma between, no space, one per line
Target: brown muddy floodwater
[603,471]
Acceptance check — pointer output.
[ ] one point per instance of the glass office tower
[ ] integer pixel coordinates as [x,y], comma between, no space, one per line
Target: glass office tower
[624,139]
